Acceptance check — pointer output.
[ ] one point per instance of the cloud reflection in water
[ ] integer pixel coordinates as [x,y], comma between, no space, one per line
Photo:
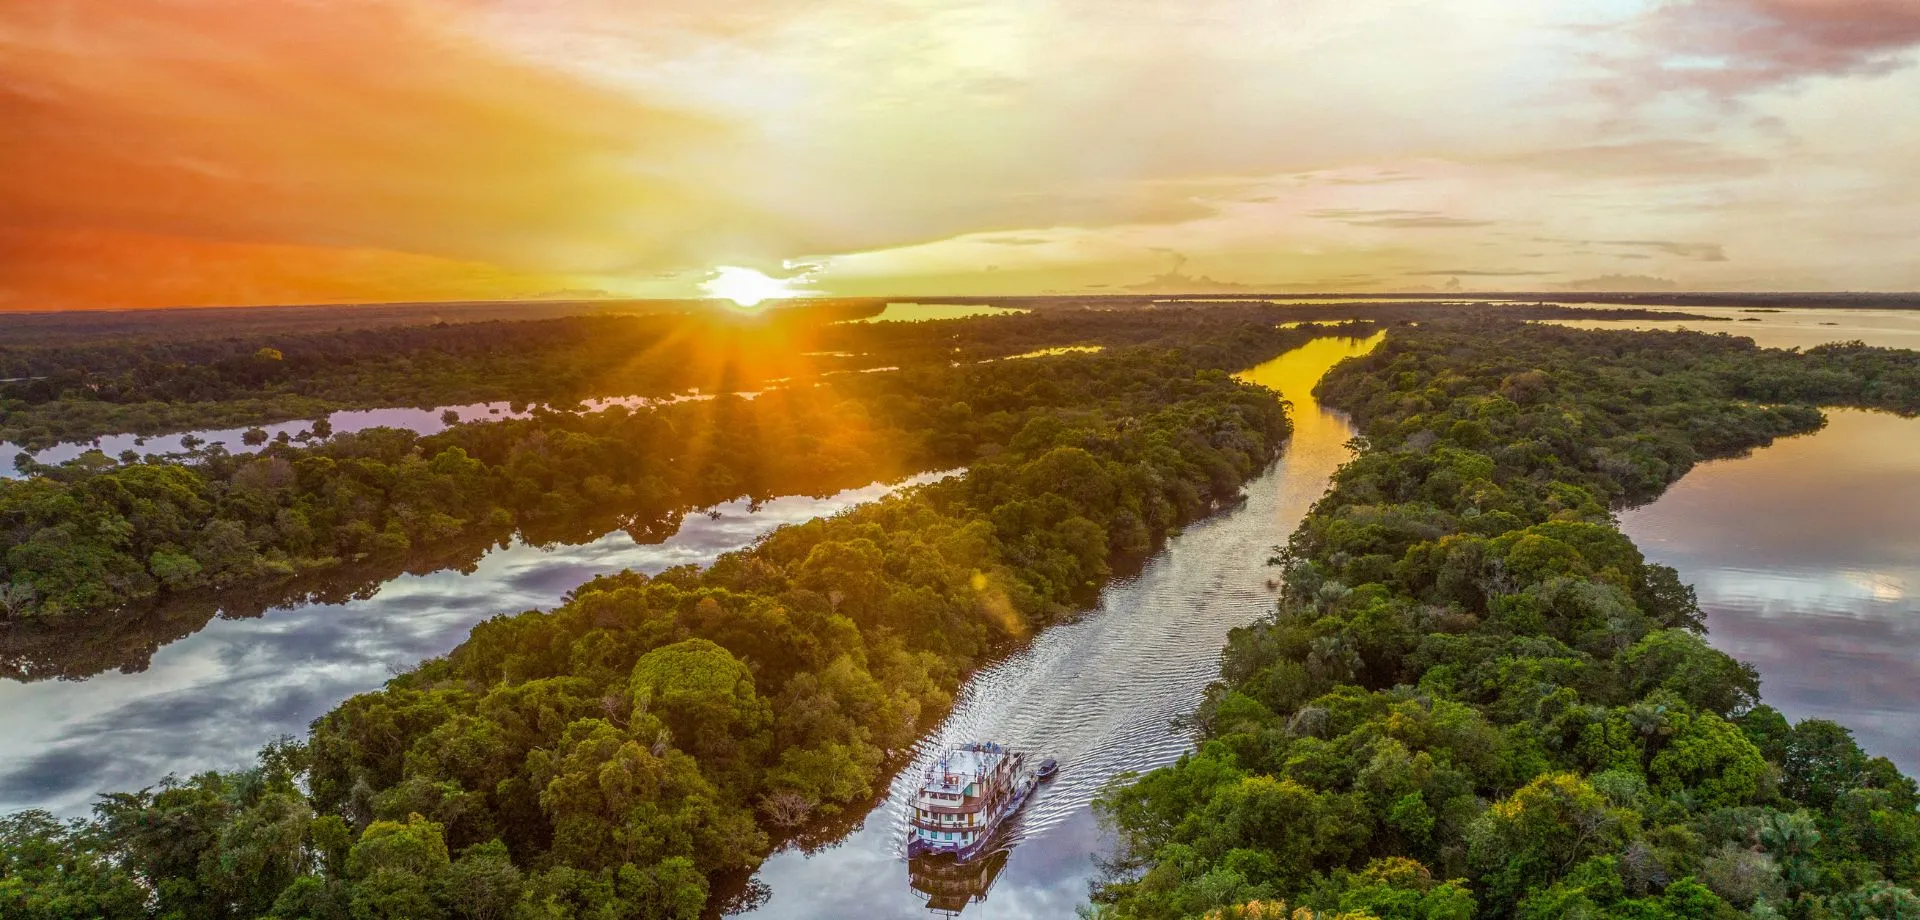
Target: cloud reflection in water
[1806,558]
[209,701]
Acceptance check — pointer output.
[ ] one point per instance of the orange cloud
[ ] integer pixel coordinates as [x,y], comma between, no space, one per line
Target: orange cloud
[222,151]
[81,269]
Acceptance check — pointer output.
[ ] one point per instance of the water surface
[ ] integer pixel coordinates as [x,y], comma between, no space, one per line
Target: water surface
[1059,350]
[1806,558]
[1791,327]
[922,312]
[209,701]
[1099,693]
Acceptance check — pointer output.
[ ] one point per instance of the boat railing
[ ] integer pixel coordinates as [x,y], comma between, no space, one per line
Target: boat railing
[938,770]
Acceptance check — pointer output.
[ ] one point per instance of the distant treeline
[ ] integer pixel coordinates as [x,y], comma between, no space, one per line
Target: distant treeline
[1477,698]
[607,758]
[81,389]
[78,391]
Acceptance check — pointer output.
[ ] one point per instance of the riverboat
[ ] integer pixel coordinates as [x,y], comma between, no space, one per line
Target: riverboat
[965,795]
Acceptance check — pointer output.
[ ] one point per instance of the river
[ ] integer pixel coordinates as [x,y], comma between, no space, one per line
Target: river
[210,700]
[1099,693]
[1806,559]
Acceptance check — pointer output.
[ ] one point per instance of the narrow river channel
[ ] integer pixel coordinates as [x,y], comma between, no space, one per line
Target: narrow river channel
[1099,693]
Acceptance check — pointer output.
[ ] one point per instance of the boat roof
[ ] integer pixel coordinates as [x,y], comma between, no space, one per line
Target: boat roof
[962,764]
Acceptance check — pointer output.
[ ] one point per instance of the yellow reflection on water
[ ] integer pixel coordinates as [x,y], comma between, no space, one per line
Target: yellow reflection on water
[1294,375]
[1061,350]
[922,312]
[1320,435]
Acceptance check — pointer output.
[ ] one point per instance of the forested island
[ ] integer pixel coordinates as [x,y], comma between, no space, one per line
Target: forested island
[1476,699]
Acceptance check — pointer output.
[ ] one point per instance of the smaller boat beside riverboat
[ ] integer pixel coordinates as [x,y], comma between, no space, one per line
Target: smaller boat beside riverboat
[966,794]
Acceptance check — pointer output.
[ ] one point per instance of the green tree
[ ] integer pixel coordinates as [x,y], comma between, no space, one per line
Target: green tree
[483,884]
[1534,837]
[705,696]
[55,871]
[1821,763]
[397,869]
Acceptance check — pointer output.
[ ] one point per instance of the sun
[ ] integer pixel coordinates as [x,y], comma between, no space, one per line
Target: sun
[746,287]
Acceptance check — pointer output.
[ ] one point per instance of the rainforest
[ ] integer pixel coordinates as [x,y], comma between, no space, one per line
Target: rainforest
[1472,695]
[1476,696]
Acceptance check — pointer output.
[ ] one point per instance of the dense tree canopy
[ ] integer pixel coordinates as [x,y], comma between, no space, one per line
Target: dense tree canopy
[1476,698]
[96,535]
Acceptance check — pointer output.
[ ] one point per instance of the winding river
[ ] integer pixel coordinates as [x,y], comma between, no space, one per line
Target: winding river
[1784,328]
[1099,693]
[233,440]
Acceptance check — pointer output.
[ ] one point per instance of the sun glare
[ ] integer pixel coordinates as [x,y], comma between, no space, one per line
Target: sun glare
[746,287]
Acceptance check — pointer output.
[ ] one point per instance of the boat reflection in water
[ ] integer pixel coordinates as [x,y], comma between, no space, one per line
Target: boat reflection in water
[948,884]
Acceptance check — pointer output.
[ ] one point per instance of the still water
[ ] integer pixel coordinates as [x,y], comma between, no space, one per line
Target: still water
[1787,328]
[1806,558]
[1059,350]
[1099,693]
[922,312]
[209,701]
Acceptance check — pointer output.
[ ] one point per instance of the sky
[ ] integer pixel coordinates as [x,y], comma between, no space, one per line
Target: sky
[219,152]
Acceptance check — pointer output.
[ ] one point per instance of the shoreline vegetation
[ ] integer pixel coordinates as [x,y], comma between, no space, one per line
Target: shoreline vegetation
[609,757]
[66,388]
[1477,699]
